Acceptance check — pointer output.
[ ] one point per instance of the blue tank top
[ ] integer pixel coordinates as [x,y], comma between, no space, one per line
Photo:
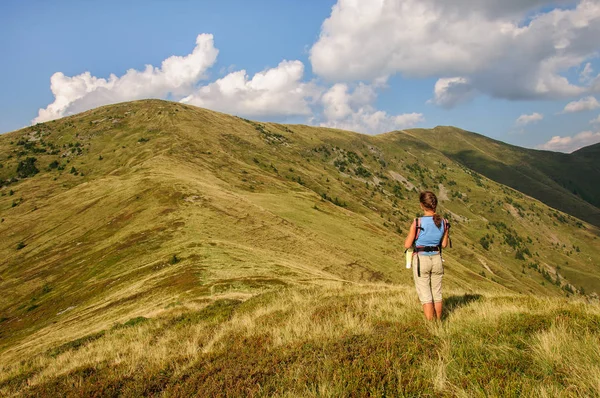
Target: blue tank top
[430,234]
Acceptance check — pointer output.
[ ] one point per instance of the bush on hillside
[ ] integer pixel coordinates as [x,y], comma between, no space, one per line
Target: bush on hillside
[26,168]
[362,172]
[486,241]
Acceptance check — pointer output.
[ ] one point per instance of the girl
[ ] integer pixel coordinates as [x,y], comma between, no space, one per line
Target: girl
[428,269]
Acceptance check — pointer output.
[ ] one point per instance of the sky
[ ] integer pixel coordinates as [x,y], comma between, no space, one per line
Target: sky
[526,72]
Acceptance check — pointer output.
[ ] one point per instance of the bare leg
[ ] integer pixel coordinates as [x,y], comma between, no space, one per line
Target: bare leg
[428,310]
[438,310]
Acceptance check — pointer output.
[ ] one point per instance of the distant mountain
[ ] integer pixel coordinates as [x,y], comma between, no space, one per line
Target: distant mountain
[153,238]
[568,182]
[591,152]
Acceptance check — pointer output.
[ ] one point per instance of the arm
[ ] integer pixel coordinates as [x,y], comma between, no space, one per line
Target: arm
[411,235]
[445,239]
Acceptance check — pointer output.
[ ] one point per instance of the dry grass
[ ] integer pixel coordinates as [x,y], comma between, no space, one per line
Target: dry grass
[323,340]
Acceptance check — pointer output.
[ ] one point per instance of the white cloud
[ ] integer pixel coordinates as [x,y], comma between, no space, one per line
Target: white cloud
[449,92]
[586,73]
[584,104]
[527,119]
[275,91]
[506,49]
[596,120]
[176,76]
[571,143]
[354,111]
[278,91]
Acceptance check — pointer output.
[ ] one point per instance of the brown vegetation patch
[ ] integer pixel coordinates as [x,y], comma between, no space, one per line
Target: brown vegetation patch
[354,271]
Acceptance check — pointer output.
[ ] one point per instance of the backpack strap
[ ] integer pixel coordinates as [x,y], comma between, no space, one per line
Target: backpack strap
[418,229]
[446,225]
[447,229]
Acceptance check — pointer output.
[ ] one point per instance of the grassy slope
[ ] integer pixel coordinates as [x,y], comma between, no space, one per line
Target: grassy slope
[591,152]
[241,206]
[568,182]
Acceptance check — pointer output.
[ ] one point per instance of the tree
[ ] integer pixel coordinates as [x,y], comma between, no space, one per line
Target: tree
[26,168]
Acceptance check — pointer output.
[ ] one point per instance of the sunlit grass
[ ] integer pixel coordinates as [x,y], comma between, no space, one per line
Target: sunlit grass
[330,340]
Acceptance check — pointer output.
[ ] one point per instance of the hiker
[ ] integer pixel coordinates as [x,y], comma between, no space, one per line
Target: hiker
[427,236]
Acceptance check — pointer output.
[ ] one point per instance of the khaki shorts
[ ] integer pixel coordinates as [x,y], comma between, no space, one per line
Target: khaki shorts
[429,284]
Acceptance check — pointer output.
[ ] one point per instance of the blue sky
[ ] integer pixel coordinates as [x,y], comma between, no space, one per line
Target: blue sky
[370,67]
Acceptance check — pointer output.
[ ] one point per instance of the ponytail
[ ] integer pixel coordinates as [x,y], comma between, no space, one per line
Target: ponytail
[429,201]
[437,220]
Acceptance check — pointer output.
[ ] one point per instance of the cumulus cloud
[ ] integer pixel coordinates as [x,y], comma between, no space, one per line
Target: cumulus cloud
[596,120]
[176,76]
[571,143]
[275,91]
[527,119]
[514,49]
[586,73]
[584,104]
[353,110]
[449,92]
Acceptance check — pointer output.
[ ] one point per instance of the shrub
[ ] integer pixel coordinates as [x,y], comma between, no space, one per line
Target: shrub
[26,168]
[485,242]
[362,172]
[340,164]
[568,288]
[76,344]
[132,322]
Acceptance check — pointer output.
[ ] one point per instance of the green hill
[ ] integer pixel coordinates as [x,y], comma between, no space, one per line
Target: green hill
[568,182]
[156,247]
[592,152]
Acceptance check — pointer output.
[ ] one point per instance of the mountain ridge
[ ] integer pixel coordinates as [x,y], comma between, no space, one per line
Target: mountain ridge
[564,181]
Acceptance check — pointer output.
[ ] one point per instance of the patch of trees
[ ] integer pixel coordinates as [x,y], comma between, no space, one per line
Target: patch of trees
[323,150]
[269,136]
[335,200]
[362,172]
[486,241]
[353,157]
[27,168]
[340,165]
[512,239]
[560,217]
[397,190]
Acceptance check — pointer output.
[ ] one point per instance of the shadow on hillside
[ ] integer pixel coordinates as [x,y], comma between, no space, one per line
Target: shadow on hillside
[454,302]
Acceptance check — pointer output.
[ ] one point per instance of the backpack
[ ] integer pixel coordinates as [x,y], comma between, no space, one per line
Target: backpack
[419,228]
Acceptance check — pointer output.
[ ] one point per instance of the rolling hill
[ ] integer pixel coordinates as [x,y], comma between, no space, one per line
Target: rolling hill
[568,182]
[591,152]
[157,248]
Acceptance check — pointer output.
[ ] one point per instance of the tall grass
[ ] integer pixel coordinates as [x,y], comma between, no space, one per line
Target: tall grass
[330,340]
